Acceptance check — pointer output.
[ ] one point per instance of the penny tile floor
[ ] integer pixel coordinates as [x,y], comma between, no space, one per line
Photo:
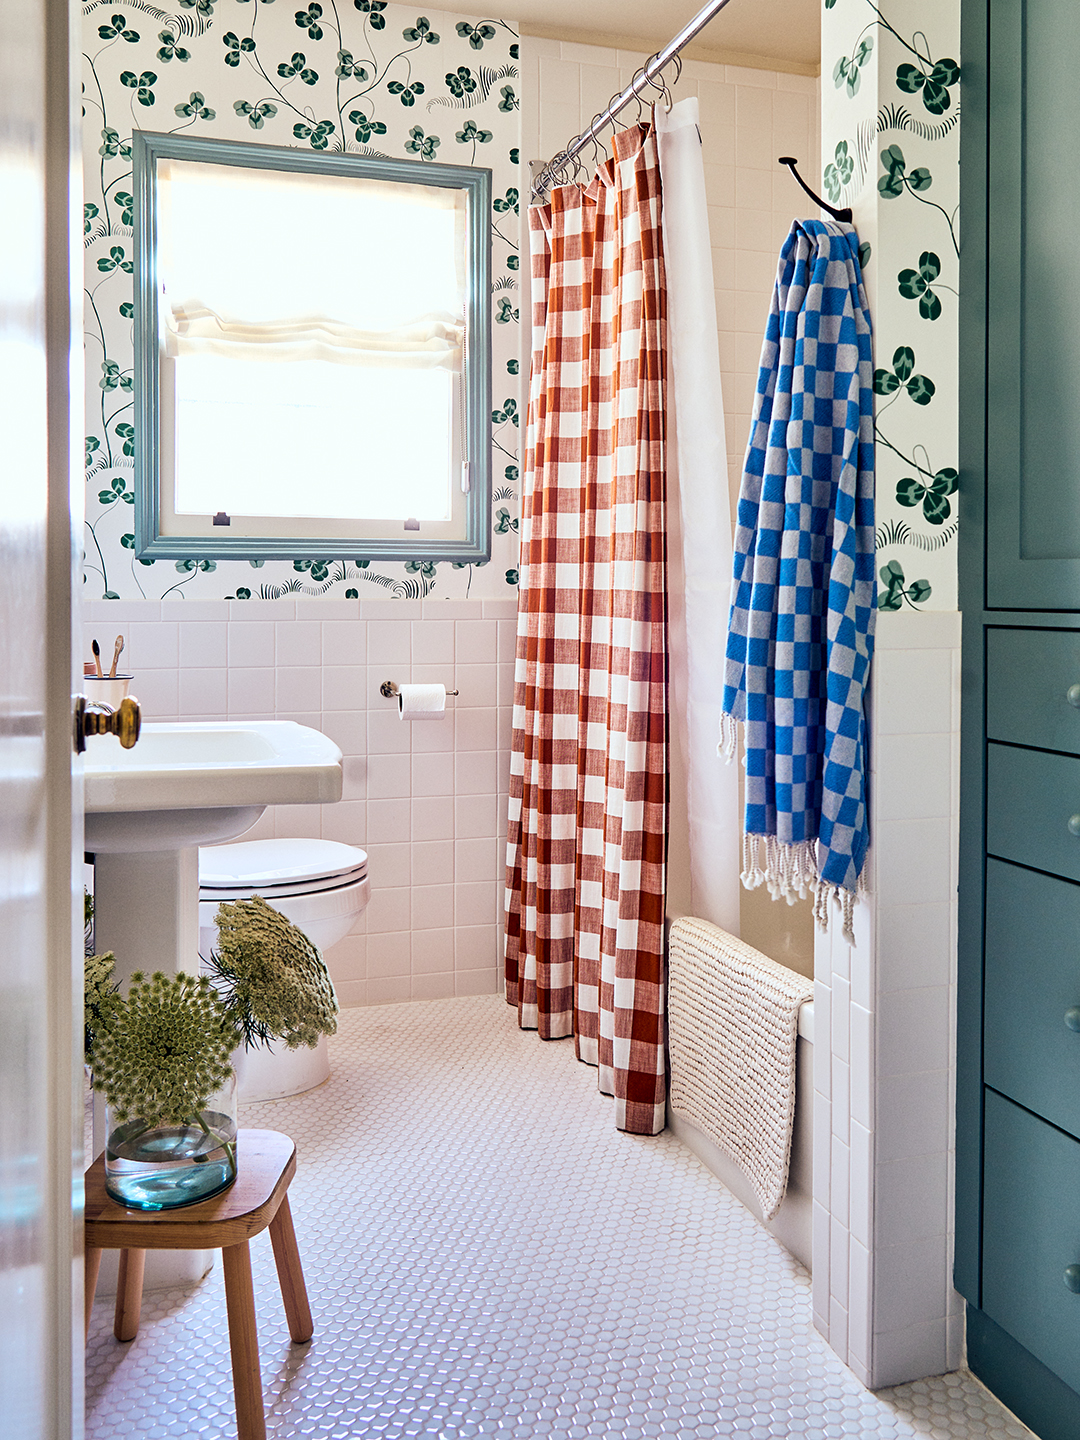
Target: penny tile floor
[487,1256]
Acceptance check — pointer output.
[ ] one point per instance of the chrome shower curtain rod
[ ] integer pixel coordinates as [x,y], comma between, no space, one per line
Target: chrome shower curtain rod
[645,76]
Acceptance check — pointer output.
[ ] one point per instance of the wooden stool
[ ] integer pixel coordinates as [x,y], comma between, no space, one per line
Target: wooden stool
[266,1163]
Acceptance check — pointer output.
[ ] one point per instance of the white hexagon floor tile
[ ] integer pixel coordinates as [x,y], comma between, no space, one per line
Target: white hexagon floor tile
[486,1255]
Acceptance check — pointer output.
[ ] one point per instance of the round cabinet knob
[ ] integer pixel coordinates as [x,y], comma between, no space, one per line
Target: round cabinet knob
[1072,1278]
[1072,1018]
[1072,695]
[1074,825]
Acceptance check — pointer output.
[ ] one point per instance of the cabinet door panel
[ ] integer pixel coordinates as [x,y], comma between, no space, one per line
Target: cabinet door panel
[1033,360]
[1031,1234]
[1029,675]
[1032,799]
[1032,980]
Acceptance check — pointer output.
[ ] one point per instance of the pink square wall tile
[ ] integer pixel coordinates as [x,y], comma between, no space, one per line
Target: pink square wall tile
[478,946]
[298,642]
[432,774]
[390,991]
[432,987]
[432,951]
[433,818]
[251,644]
[351,993]
[344,642]
[387,911]
[432,907]
[389,865]
[478,982]
[388,821]
[389,955]
[203,694]
[348,822]
[434,860]
[389,777]
[477,641]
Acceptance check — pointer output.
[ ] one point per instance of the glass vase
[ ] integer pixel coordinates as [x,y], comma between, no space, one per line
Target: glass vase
[158,1167]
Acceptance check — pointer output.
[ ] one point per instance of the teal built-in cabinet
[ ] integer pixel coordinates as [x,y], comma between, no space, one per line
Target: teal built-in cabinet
[1018,1075]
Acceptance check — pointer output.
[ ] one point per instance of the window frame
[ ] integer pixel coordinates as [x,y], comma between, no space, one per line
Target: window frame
[150,544]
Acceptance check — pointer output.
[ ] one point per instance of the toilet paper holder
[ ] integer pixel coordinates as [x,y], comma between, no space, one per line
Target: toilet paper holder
[390,690]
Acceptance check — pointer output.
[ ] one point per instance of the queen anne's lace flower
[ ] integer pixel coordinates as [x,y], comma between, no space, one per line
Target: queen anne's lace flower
[161,1053]
[271,978]
[99,992]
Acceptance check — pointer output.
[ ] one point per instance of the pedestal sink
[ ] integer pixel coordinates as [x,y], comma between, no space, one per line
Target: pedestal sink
[148,809]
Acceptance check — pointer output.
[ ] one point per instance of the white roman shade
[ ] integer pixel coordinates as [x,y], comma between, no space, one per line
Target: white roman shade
[373,272]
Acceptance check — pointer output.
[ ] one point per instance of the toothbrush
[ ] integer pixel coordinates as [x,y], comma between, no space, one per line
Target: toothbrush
[116,655]
[96,648]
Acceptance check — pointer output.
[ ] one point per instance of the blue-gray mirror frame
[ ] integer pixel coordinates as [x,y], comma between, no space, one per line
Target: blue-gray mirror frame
[147,148]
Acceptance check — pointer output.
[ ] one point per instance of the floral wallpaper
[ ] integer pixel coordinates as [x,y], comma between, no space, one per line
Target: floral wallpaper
[364,76]
[890,79]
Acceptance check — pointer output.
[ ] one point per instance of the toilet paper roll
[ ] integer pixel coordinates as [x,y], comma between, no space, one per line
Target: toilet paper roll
[421,702]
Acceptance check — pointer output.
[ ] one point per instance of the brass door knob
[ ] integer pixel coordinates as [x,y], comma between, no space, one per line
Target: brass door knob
[125,722]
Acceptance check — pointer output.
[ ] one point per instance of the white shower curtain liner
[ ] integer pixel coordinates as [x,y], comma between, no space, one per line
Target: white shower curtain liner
[698,495]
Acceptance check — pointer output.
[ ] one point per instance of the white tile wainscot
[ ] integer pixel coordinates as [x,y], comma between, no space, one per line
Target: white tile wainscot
[884,1067]
[427,802]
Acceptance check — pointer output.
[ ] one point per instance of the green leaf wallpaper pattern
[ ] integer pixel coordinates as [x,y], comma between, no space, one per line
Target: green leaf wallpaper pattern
[325,77]
[897,103]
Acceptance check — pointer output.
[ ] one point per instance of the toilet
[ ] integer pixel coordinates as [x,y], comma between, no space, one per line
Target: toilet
[322,886]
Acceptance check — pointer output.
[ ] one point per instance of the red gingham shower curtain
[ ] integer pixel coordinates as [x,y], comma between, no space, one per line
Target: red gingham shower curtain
[588,778]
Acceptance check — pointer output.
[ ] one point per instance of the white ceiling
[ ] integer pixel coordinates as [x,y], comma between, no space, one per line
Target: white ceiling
[785,32]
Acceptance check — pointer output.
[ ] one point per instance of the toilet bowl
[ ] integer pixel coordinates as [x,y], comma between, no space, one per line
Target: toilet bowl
[322,887]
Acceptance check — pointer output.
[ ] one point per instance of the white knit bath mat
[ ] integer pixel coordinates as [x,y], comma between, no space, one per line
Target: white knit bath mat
[733,1017]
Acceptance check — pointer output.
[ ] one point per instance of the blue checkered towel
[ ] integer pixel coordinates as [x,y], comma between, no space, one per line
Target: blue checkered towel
[801,631]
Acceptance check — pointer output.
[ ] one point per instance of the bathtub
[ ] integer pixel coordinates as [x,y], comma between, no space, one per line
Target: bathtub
[792,1222]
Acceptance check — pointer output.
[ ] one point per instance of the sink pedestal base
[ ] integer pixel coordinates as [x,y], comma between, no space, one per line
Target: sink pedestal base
[146,910]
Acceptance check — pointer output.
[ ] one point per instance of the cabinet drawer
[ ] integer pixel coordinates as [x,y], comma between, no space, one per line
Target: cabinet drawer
[1031,1234]
[1030,674]
[1031,800]
[1030,1051]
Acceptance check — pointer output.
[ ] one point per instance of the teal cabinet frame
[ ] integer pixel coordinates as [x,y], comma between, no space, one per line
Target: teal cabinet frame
[998,587]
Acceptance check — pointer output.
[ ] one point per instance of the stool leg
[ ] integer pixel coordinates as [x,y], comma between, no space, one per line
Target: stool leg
[290,1274]
[129,1285]
[243,1342]
[91,1266]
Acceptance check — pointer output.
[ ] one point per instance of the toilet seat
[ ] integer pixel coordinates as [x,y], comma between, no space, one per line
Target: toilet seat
[278,867]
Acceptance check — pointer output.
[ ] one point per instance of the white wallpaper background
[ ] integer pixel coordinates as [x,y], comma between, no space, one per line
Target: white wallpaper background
[365,76]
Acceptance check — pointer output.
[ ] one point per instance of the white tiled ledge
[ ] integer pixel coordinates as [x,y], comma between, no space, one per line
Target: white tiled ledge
[306,608]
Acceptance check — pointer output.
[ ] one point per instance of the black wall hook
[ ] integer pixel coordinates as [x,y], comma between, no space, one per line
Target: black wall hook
[792,163]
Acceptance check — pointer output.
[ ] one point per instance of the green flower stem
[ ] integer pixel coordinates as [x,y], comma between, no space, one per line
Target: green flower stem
[907,459]
[101,557]
[105,120]
[106,188]
[935,206]
[926,59]
[180,584]
[229,1146]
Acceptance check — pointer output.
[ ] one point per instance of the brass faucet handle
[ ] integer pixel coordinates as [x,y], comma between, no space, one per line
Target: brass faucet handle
[125,722]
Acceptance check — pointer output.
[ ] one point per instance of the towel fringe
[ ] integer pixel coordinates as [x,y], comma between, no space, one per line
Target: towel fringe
[729,737]
[790,871]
